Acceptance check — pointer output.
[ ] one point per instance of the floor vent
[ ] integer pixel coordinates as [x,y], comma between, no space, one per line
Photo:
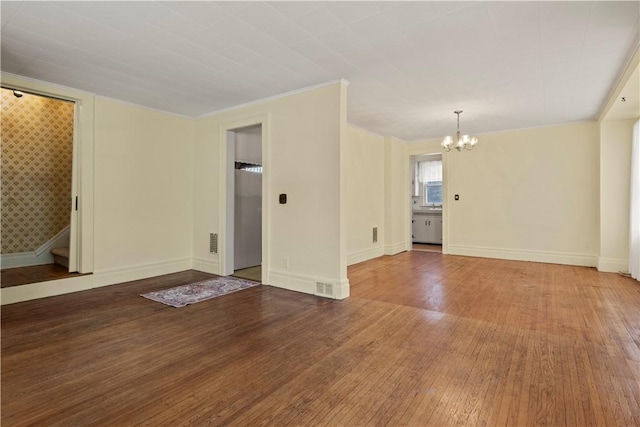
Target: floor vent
[324,289]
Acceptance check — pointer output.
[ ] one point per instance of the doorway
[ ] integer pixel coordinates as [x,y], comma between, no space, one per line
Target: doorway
[244,202]
[39,159]
[427,202]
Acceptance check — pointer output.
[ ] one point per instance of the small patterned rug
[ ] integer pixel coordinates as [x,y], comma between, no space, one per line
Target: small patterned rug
[199,291]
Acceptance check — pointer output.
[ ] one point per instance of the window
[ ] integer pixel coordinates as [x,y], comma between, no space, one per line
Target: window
[429,177]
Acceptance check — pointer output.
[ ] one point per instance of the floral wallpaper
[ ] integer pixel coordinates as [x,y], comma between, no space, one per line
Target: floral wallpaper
[37,153]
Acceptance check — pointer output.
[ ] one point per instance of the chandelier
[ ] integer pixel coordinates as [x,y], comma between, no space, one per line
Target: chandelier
[464,142]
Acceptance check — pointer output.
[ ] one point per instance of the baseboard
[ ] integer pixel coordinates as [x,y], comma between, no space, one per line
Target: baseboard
[395,248]
[307,284]
[613,265]
[281,279]
[25,259]
[40,256]
[550,257]
[142,271]
[211,266]
[364,255]
[81,283]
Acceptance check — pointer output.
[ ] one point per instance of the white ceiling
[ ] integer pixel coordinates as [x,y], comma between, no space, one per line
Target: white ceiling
[508,65]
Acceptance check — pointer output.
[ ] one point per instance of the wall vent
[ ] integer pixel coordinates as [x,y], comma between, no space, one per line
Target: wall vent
[375,234]
[324,289]
[213,243]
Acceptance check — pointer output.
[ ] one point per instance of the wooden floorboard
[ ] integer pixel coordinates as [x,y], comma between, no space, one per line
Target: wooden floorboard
[424,339]
[34,274]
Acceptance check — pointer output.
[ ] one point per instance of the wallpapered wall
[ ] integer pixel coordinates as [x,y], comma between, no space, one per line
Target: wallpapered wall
[37,151]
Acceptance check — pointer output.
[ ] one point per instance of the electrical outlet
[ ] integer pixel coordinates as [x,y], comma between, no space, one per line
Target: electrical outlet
[285,262]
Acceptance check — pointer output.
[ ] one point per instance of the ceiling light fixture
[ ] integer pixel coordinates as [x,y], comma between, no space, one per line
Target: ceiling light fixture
[461,143]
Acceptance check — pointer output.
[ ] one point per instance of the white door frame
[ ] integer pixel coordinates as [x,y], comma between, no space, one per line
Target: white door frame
[83,146]
[227,202]
[445,198]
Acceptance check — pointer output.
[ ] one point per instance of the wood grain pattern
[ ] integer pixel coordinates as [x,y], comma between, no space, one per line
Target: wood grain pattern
[34,274]
[425,339]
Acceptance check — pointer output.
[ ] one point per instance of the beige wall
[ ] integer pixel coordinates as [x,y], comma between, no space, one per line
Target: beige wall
[142,184]
[37,151]
[302,157]
[397,195]
[615,168]
[530,194]
[365,173]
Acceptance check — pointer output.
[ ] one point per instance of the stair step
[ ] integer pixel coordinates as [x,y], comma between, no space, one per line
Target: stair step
[61,256]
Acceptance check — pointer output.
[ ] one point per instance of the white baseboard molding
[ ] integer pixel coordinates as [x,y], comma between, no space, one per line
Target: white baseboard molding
[25,259]
[142,271]
[281,279]
[40,256]
[211,266]
[613,265]
[102,278]
[551,257]
[364,255]
[307,284]
[395,248]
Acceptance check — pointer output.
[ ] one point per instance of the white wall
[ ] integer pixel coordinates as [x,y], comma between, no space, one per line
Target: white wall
[143,180]
[615,168]
[304,134]
[365,166]
[135,193]
[530,194]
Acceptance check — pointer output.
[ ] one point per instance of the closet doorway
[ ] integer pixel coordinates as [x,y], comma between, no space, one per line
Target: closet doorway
[244,202]
[39,214]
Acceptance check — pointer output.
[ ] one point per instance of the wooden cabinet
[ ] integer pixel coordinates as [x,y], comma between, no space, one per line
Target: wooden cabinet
[427,227]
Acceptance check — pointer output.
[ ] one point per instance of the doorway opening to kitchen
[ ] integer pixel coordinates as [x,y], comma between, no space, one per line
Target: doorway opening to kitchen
[427,202]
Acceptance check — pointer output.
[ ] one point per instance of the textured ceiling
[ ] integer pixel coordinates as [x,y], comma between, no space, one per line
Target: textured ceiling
[508,65]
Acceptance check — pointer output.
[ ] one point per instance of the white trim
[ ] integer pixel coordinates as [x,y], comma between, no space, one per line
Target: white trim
[551,257]
[211,266]
[226,206]
[613,265]
[342,289]
[364,255]
[273,97]
[39,82]
[395,248]
[292,282]
[84,141]
[307,284]
[141,271]
[25,259]
[40,256]
[104,278]
[58,238]
[619,83]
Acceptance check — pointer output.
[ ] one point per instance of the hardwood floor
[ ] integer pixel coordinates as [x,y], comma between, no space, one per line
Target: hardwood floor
[33,274]
[426,247]
[425,339]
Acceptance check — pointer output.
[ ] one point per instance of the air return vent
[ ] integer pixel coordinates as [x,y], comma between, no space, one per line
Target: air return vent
[213,243]
[324,289]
